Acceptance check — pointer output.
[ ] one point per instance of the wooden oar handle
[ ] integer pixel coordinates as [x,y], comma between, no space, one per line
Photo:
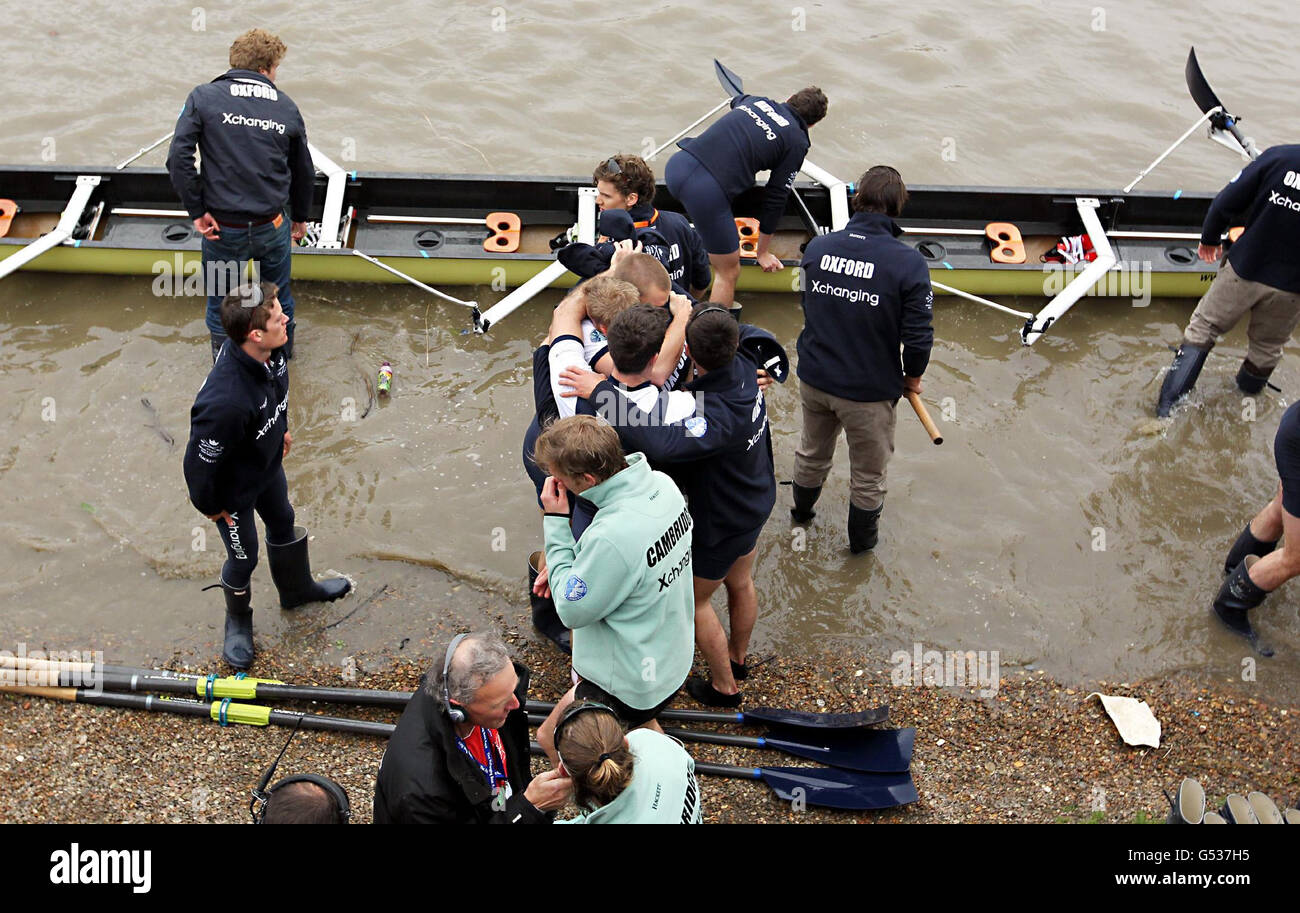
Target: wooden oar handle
[58,694]
[924,415]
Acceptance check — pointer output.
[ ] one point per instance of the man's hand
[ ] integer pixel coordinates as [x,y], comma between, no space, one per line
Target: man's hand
[679,305]
[764,380]
[288,441]
[770,262]
[207,226]
[542,585]
[230,521]
[912,385]
[549,791]
[555,497]
[582,381]
[298,231]
[622,249]
[1209,254]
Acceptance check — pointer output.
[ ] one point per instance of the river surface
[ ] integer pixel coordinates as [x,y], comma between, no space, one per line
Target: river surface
[1058,524]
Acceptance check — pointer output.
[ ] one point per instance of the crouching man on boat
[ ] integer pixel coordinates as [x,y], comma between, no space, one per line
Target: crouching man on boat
[865,295]
[239,437]
[253,144]
[712,169]
[1260,275]
[460,754]
[624,588]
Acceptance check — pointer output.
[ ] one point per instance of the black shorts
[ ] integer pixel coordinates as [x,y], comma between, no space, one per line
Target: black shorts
[1286,451]
[713,562]
[630,716]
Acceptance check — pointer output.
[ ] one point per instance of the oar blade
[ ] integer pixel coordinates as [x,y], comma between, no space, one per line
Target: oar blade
[843,789]
[802,719]
[1202,94]
[731,83]
[868,751]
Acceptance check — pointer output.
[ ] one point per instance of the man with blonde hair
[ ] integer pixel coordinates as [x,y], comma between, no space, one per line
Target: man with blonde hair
[253,146]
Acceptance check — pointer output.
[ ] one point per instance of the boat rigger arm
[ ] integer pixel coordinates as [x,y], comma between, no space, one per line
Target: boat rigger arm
[86,184]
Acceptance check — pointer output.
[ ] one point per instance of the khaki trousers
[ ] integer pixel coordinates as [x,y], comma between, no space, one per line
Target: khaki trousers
[869,428]
[1273,316]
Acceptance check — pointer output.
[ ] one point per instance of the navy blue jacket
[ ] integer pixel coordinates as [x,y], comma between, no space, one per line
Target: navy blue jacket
[254,147]
[685,258]
[1267,194]
[757,134]
[237,427]
[720,457]
[865,294]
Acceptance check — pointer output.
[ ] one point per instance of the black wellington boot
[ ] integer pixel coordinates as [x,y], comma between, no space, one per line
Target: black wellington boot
[863,528]
[1181,377]
[238,647]
[217,339]
[545,619]
[804,499]
[1246,544]
[291,571]
[1236,598]
[1250,379]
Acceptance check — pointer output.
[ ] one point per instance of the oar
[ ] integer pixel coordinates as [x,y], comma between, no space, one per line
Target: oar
[143,149]
[924,415]
[272,689]
[1207,100]
[731,83]
[824,787]
[763,716]
[869,751]
[224,712]
[416,282]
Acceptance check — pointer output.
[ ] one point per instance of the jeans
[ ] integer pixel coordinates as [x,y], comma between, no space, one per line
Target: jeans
[225,258]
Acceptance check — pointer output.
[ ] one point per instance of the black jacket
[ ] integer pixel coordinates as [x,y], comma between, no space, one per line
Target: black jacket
[720,457]
[254,147]
[1266,193]
[424,778]
[237,427]
[865,294]
[757,134]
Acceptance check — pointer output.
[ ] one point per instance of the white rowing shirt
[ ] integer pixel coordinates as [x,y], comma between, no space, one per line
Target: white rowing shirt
[568,351]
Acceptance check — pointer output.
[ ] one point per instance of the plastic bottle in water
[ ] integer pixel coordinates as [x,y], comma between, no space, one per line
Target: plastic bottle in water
[385,378]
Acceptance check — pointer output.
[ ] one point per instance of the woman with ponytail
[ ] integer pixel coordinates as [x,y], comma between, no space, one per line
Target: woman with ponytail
[640,777]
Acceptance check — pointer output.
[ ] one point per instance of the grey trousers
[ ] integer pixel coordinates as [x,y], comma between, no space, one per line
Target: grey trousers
[869,428]
[1273,316]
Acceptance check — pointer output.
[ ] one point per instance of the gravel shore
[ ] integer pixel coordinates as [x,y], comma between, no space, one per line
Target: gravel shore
[1038,751]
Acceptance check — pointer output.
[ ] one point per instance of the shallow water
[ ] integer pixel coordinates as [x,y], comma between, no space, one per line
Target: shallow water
[1058,524]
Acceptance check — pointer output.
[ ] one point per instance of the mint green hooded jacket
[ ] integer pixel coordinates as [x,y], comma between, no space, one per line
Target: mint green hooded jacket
[625,588]
[663,788]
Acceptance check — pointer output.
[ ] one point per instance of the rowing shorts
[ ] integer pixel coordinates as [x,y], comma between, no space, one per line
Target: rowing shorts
[630,716]
[713,562]
[1286,450]
[705,202]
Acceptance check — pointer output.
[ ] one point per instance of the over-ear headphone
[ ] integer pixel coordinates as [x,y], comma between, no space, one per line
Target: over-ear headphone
[456,712]
[262,795]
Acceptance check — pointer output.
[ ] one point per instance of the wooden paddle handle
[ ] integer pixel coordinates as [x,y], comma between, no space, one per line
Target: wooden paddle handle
[58,694]
[924,415]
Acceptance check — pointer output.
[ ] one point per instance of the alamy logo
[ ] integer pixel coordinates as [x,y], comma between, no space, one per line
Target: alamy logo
[78,866]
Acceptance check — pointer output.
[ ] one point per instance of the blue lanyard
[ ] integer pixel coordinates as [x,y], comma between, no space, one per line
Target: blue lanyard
[490,770]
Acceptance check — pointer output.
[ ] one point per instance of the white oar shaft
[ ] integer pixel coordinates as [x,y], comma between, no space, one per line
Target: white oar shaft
[416,282]
[720,106]
[143,149]
[1164,155]
[978,300]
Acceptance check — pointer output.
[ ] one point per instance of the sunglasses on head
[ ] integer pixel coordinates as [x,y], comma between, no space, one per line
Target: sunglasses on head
[613,167]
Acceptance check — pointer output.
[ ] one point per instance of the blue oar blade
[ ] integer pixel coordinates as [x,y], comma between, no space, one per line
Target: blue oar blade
[869,750]
[731,83]
[843,789]
[801,719]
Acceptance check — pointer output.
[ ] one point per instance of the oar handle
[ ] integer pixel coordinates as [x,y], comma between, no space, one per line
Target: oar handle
[924,415]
